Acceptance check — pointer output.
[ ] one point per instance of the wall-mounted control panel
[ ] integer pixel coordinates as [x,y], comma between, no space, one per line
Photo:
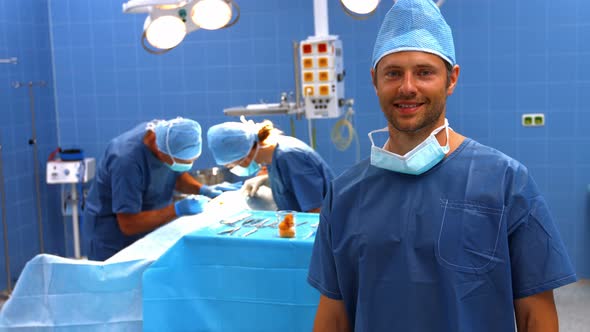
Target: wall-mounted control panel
[322,77]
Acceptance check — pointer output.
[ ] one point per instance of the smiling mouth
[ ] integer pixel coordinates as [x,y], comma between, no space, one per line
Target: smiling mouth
[407,107]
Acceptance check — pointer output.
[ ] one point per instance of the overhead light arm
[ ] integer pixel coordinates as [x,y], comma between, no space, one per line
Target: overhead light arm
[237,17]
[144,6]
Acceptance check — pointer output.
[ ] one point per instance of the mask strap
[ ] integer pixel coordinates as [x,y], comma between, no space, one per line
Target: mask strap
[168,145]
[370,134]
[446,147]
[255,153]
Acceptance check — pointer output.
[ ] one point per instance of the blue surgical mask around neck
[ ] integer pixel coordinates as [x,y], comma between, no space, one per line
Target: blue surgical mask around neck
[251,169]
[419,160]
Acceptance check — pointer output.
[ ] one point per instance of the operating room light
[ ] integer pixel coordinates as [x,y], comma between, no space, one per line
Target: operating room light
[169,21]
[361,7]
[165,32]
[211,14]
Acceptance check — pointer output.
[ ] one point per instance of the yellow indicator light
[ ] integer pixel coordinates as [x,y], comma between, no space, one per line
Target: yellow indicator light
[308,76]
[308,63]
[308,90]
[324,76]
[324,90]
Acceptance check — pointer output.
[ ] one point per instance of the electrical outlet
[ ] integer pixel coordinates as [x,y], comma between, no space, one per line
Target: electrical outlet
[533,119]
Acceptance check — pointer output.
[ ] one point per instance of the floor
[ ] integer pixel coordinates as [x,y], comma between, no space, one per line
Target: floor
[573,306]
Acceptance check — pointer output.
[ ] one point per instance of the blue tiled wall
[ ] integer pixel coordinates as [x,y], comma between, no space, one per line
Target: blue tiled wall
[24,33]
[516,57]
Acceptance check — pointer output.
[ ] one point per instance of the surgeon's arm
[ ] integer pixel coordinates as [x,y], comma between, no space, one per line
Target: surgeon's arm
[536,313]
[331,316]
[187,184]
[145,221]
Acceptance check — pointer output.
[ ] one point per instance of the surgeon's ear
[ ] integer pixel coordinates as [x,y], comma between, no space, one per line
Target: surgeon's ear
[453,79]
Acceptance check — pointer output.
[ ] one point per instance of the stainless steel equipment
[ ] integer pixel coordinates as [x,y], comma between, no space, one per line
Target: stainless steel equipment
[209,176]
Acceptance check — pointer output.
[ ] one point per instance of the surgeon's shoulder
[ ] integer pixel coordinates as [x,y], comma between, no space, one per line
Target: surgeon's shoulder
[494,160]
[352,177]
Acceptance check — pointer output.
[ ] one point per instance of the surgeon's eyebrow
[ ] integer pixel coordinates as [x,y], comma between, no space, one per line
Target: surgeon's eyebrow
[418,66]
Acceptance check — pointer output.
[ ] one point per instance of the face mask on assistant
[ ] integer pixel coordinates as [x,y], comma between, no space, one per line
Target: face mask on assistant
[251,169]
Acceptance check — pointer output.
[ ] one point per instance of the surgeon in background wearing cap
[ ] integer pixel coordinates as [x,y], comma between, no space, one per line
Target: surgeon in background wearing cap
[435,232]
[135,180]
[298,175]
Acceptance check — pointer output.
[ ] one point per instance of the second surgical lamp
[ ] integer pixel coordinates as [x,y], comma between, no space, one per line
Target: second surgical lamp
[362,9]
[169,21]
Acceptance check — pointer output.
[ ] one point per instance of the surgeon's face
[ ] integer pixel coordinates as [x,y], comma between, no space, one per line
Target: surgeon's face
[245,162]
[171,160]
[412,88]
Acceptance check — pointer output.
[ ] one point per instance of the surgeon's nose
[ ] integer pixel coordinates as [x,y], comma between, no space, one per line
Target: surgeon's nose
[408,86]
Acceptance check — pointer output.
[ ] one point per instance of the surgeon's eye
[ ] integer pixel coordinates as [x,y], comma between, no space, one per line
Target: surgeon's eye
[392,74]
[425,72]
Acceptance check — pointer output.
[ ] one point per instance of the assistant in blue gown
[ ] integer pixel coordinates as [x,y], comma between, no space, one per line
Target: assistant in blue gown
[298,175]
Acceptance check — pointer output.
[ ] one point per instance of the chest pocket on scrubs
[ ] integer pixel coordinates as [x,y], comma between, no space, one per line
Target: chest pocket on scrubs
[468,237]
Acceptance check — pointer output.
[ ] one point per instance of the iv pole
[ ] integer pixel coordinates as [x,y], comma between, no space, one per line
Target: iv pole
[13,61]
[5,225]
[33,141]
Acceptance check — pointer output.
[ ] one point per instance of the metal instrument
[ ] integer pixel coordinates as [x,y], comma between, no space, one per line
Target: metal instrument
[261,224]
[312,233]
[230,231]
[235,219]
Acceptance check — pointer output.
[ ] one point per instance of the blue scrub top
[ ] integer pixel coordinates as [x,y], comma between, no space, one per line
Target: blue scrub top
[129,179]
[299,177]
[448,250]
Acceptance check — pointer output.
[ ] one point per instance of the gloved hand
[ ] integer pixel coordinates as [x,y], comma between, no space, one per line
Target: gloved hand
[190,205]
[251,186]
[209,191]
[226,186]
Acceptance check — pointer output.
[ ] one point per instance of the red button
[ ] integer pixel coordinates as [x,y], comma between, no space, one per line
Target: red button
[306,48]
[322,48]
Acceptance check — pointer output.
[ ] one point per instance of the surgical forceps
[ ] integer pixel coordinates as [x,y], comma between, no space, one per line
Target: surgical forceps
[235,219]
[230,231]
[257,226]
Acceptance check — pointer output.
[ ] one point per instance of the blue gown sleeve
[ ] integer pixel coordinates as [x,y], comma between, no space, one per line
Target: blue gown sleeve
[538,257]
[322,273]
[305,179]
[127,186]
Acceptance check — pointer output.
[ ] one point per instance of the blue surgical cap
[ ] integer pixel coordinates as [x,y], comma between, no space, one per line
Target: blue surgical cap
[231,141]
[179,138]
[414,25]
